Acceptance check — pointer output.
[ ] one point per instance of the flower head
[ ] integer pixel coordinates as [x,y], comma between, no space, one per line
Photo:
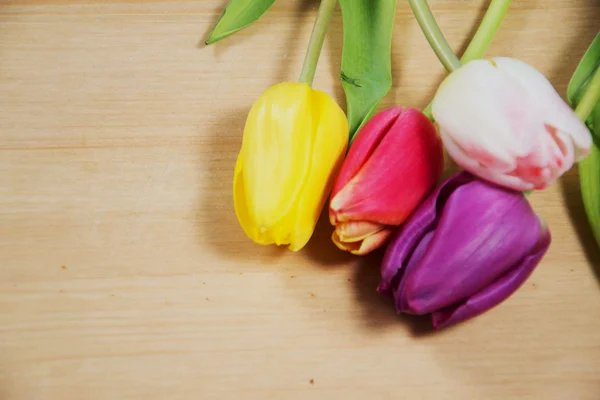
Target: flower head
[294,141]
[395,161]
[502,120]
[466,249]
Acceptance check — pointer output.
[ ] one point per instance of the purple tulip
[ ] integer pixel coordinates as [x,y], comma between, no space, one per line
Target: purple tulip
[466,248]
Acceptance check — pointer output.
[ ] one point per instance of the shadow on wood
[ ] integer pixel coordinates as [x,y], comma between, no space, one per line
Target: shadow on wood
[378,311]
[321,249]
[572,196]
[216,219]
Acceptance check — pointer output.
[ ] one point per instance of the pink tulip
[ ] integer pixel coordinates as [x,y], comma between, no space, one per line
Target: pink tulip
[395,161]
[502,120]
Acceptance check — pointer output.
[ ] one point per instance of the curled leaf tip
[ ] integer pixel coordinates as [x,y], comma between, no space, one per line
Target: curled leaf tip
[237,15]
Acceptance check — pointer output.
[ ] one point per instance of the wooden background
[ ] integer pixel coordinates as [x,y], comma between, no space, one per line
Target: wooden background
[124,274]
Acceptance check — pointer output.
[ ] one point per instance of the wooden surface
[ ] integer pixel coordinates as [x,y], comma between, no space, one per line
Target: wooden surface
[124,274]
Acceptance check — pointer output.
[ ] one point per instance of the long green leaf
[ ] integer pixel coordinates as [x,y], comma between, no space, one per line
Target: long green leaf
[589,179]
[589,168]
[589,63]
[366,56]
[237,15]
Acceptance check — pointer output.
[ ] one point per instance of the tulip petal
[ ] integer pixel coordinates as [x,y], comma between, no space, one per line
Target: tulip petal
[413,260]
[567,122]
[473,166]
[554,109]
[564,152]
[277,143]
[545,164]
[479,85]
[475,243]
[330,141]
[402,170]
[366,245]
[365,143]
[355,231]
[509,124]
[410,234]
[239,202]
[293,145]
[496,292]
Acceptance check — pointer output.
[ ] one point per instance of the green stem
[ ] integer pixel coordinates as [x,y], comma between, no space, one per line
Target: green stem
[434,35]
[590,98]
[483,37]
[309,68]
[486,31]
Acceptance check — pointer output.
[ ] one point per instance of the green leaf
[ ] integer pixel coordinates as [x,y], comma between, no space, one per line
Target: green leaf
[589,179]
[366,56]
[589,168]
[589,63]
[237,15]
[580,80]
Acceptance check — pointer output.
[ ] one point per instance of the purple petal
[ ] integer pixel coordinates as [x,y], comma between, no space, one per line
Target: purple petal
[497,292]
[484,232]
[411,233]
[413,260]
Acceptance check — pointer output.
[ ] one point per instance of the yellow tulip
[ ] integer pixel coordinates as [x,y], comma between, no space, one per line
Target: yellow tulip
[294,142]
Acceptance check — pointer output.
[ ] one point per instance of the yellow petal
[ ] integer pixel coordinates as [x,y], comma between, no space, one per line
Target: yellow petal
[330,144]
[365,246]
[239,203]
[277,144]
[294,141]
[355,231]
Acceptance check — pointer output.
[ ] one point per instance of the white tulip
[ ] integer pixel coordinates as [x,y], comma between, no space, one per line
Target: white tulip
[503,121]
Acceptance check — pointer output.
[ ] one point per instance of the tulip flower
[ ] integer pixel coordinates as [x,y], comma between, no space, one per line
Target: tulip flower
[294,142]
[394,162]
[502,120]
[466,249]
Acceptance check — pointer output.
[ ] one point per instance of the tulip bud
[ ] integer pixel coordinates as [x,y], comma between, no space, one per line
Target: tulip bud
[466,249]
[394,162]
[294,142]
[502,120]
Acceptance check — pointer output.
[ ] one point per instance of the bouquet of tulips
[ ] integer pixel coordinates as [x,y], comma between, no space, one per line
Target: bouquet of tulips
[453,249]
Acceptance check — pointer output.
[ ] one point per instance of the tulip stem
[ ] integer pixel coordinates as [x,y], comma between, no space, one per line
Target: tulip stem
[483,37]
[590,98]
[434,35]
[317,37]
[487,30]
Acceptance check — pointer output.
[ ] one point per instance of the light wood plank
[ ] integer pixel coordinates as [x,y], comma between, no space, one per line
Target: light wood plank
[124,274]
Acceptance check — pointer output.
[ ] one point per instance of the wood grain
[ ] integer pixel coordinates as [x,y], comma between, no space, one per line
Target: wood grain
[124,274]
